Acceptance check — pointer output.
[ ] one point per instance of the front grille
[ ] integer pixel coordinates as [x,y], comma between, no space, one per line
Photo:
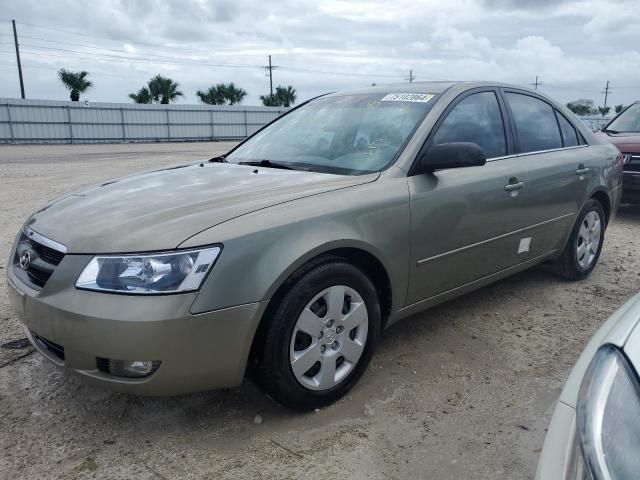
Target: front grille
[42,261]
[48,345]
[47,253]
[631,162]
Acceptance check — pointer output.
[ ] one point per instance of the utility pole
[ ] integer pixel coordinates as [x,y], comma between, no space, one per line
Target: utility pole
[536,84]
[411,78]
[606,92]
[15,40]
[269,69]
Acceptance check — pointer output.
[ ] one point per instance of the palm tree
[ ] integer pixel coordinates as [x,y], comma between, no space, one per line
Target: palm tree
[164,90]
[143,96]
[212,96]
[75,82]
[221,94]
[234,95]
[271,100]
[287,95]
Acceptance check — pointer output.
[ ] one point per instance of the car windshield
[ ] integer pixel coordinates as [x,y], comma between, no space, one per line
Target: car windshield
[350,134]
[628,121]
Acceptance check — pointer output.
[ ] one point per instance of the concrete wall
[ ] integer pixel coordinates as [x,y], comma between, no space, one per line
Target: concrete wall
[47,121]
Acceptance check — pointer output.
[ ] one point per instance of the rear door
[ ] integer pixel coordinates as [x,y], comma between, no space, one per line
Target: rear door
[557,164]
[464,221]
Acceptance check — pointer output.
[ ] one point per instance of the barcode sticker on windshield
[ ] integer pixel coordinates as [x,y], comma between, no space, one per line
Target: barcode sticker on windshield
[407,97]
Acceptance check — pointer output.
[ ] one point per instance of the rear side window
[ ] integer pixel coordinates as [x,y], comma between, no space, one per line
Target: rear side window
[475,119]
[535,122]
[569,134]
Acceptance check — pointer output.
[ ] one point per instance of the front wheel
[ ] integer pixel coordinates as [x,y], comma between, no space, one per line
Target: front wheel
[320,337]
[582,251]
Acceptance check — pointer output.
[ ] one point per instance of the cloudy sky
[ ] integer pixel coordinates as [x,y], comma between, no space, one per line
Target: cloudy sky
[574,47]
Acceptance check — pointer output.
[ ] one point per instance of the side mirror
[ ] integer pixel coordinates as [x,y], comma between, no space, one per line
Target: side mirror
[452,155]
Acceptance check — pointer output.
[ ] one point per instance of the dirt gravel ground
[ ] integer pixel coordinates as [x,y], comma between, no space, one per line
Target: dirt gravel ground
[465,390]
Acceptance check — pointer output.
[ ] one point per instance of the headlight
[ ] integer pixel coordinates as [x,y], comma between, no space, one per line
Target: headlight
[608,417]
[171,272]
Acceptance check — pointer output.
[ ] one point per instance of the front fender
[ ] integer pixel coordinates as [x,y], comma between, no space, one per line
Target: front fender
[262,249]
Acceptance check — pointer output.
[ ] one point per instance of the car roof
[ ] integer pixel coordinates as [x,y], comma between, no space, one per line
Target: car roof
[435,87]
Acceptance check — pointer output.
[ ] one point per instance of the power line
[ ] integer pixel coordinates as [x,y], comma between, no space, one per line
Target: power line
[93,72]
[178,60]
[182,48]
[107,49]
[345,74]
[71,32]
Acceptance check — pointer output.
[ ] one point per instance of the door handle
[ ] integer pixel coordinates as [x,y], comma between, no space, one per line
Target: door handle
[512,187]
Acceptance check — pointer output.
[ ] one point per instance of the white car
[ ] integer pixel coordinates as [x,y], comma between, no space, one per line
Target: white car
[595,428]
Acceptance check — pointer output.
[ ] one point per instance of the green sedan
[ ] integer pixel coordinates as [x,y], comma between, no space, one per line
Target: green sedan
[286,258]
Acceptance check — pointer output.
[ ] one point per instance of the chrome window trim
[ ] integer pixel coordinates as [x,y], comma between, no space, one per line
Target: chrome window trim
[421,262]
[47,242]
[515,155]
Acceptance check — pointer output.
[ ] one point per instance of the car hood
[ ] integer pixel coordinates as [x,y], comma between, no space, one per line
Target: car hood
[626,142]
[159,210]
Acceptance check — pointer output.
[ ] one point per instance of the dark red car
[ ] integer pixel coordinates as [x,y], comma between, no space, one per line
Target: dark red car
[624,132]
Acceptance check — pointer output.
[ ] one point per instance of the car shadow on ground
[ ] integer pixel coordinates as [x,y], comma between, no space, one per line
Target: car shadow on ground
[629,212]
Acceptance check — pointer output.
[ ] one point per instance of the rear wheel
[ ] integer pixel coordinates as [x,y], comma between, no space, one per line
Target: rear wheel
[582,251]
[320,337]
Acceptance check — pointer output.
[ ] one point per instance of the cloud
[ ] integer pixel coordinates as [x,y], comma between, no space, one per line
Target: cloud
[573,45]
[523,4]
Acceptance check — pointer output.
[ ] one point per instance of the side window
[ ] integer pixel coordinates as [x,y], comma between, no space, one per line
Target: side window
[535,122]
[475,119]
[569,134]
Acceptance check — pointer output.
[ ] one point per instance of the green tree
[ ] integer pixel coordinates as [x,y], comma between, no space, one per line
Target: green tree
[163,90]
[212,96]
[143,96]
[270,100]
[582,106]
[283,97]
[619,108]
[234,95]
[222,94]
[604,110]
[287,95]
[75,82]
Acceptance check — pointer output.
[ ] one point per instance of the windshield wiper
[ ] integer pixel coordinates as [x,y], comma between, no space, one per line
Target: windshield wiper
[268,164]
[606,130]
[220,159]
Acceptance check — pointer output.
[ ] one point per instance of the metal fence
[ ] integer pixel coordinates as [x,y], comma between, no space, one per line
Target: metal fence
[47,121]
[595,122]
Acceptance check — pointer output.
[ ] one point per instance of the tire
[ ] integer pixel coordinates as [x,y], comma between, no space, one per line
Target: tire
[574,263]
[311,297]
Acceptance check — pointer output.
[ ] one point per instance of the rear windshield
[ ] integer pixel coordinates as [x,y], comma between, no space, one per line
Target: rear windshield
[628,121]
[349,134]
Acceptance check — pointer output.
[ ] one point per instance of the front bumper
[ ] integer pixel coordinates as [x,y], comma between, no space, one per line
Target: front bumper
[197,352]
[557,459]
